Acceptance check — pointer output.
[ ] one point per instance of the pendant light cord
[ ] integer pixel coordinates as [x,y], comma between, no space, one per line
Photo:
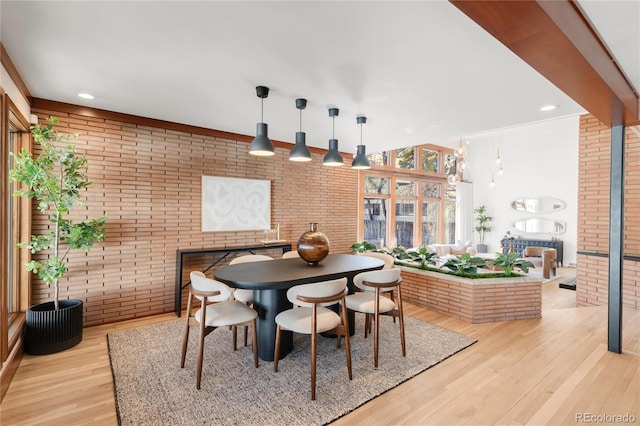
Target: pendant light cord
[333,128]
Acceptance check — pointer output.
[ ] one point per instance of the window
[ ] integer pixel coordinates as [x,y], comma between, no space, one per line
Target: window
[15,214]
[422,204]
[405,188]
[11,233]
[450,214]
[430,222]
[375,220]
[405,220]
[379,158]
[450,164]
[430,160]
[406,158]
[376,185]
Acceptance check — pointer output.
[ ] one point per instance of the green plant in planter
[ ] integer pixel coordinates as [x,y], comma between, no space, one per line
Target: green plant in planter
[507,262]
[362,246]
[465,265]
[423,256]
[55,179]
[398,252]
[482,226]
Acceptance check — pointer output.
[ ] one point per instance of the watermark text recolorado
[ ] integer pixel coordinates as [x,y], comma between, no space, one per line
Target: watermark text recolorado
[604,418]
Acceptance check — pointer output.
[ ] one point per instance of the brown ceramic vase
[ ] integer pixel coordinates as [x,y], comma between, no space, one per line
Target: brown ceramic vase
[313,246]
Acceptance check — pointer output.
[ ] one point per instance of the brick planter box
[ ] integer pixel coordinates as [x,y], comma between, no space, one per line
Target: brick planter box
[476,301]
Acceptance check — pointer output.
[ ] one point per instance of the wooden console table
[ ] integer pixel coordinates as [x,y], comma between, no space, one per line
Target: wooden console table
[225,251]
[519,244]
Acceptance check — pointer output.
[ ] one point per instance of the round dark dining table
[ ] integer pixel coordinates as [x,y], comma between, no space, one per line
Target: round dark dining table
[270,281]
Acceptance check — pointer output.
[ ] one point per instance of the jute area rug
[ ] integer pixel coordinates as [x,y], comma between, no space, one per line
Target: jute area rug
[152,389]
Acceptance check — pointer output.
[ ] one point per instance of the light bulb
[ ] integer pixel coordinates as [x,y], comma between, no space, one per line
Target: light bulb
[460,151]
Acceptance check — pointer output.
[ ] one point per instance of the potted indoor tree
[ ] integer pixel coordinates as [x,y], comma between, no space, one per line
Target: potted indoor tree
[55,179]
[482,227]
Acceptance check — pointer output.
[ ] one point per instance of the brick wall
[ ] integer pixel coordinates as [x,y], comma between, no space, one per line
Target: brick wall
[593,215]
[147,180]
[486,300]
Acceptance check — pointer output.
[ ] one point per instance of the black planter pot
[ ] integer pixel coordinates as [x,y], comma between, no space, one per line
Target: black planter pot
[48,331]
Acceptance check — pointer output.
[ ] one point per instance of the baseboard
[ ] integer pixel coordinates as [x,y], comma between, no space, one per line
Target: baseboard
[9,368]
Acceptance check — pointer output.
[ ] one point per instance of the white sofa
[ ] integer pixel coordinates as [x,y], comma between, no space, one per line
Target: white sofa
[445,251]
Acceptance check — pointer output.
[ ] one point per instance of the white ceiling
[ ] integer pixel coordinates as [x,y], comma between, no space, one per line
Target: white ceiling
[421,71]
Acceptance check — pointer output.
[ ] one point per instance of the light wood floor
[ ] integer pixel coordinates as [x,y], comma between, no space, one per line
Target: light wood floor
[543,371]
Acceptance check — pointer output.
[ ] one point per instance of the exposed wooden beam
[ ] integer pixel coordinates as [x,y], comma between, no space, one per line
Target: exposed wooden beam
[556,39]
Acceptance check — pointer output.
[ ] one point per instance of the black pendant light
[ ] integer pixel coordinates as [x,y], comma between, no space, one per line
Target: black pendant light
[261,145]
[360,161]
[333,157]
[300,151]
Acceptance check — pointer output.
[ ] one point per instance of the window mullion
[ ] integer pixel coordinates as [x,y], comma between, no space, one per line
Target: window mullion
[391,229]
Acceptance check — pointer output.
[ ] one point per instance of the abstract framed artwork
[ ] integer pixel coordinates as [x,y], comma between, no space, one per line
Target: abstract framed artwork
[234,204]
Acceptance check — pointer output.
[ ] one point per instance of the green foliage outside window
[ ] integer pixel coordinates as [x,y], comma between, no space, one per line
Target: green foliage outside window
[406,158]
[430,161]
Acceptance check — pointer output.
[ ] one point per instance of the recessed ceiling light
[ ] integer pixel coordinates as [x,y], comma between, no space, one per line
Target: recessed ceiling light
[85,95]
[548,108]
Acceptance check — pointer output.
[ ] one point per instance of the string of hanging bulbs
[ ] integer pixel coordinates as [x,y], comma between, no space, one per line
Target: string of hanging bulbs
[460,164]
[262,145]
[499,162]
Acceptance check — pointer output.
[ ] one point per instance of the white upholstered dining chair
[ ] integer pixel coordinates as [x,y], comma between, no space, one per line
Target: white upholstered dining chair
[216,310]
[370,301]
[290,254]
[386,258]
[388,264]
[242,294]
[312,317]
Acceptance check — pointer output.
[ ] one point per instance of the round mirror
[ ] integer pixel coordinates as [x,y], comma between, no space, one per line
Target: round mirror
[539,225]
[538,204]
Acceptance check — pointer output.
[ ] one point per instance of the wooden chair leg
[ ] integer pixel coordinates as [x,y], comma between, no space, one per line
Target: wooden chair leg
[314,349]
[185,341]
[393,300]
[367,325]
[246,333]
[200,349]
[185,338]
[234,331]
[347,342]
[276,352]
[254,342]
[376,330]
[401,314]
